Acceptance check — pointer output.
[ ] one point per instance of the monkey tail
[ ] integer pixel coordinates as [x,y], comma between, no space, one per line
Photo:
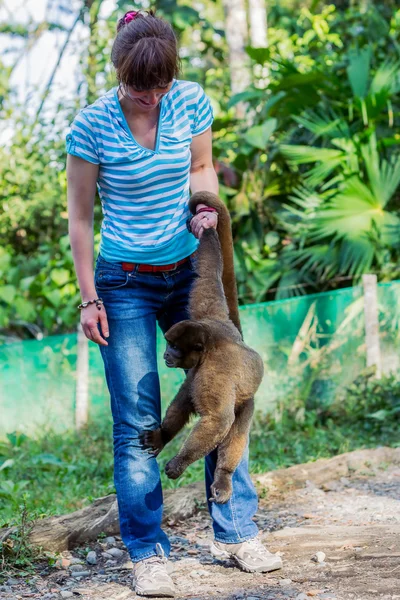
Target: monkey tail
[225,237]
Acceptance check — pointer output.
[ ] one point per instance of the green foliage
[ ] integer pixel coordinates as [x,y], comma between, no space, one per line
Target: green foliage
[310,175]
[324,177]
[371,404]
[17,555]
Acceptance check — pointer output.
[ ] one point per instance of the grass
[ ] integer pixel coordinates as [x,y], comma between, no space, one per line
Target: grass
[59,473]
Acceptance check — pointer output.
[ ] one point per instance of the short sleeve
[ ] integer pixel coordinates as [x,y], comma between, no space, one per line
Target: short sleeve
[203,116]
[81,140]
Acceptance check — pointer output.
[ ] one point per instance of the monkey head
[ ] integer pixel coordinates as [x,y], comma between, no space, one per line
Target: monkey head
[187,342]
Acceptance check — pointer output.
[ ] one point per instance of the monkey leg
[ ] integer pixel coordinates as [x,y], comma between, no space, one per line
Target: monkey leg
[208,432]
[176,417]
[230,453]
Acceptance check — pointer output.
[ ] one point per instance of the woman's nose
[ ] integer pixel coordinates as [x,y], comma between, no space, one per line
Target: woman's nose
[152,98]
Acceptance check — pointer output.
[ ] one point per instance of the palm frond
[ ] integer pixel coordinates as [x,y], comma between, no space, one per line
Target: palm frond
[386,78]
[356,255]
[384,176]
[321,260]
[300,155]
[323,124]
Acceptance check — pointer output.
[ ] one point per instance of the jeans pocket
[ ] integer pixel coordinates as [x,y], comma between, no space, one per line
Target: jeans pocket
[110,279]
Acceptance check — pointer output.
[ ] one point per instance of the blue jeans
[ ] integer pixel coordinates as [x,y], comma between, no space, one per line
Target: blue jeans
[135,302]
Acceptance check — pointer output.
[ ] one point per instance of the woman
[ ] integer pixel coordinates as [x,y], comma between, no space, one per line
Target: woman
[146,145]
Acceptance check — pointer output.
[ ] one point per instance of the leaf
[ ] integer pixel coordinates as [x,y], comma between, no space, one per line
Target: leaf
[358,70]
[5,259]
[259,135]
[47,459]
[7,464]
[25,309]
[259,55]
[7,293]
[54,297]
[60,276]
[386,78]
[379,415]
[301,155]
[247,95]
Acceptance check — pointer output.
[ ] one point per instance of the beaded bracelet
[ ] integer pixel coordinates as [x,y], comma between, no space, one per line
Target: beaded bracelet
[97,301]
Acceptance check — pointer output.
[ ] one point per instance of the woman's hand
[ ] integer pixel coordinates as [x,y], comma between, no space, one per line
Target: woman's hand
[91,316]
[202,221]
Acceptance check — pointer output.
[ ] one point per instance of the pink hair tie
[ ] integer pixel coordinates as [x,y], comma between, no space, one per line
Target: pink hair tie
[130,16]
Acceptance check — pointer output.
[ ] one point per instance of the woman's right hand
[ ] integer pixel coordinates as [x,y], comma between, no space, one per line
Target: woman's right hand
[91,316]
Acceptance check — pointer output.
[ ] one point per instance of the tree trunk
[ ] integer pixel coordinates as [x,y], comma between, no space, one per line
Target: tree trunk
[92,66]
[236,37]
[258,23]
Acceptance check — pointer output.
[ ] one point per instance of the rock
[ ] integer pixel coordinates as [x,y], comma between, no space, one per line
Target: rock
[110,563]
[110,541]
[302,596]
[319,557]
[66,594]
[115,552]
[12,581]
[194,574]
[62,563]
[76,568]
[75,561]
[106,554]
[331,486]
[80,573]
[328,596]
[285,582]
[253,597]
[91,558]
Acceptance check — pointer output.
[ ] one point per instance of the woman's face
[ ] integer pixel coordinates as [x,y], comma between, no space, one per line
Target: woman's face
[148,99]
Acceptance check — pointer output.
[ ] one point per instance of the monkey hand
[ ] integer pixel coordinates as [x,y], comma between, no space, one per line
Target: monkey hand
[174,468]
[152,440]
[221,489]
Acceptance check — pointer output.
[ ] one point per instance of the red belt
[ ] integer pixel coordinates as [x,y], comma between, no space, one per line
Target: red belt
[126,266]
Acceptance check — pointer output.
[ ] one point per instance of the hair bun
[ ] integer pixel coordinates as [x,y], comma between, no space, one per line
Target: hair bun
[129,16]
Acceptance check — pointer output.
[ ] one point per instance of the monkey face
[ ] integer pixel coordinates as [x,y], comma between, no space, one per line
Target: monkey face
[186,344]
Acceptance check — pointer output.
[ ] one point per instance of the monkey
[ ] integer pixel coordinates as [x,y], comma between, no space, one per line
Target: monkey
[223,373]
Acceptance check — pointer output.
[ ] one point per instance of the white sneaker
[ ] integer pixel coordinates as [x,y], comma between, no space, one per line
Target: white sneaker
[152,578]
[252,556]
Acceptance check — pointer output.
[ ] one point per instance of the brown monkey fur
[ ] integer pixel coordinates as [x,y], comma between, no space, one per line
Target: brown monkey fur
[223,373]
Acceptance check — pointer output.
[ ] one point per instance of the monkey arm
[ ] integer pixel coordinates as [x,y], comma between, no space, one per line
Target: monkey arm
[176,417]
[225,236]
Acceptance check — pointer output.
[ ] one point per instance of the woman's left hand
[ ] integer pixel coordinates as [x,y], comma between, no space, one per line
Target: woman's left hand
[202,221]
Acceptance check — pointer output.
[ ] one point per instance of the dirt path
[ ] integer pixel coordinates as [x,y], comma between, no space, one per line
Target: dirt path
[355,522]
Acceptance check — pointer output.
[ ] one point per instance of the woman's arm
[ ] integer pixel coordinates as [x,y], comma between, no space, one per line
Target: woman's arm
[81,180]
[203,178]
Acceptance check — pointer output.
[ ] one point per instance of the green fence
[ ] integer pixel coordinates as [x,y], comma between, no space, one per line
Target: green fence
[312,346]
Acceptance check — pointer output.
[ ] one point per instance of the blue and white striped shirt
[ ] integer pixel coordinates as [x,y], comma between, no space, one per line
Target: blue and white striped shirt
[144,193]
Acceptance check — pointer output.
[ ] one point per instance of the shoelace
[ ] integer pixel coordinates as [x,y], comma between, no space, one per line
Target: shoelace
[151,567]
[256,544]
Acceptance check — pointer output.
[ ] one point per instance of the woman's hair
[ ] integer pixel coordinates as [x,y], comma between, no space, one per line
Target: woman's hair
[145,51]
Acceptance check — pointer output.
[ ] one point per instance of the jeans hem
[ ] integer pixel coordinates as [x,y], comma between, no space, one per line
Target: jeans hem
[237,540]
[136,559]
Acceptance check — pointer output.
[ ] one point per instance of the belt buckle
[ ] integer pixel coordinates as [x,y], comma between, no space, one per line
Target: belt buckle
[171,267]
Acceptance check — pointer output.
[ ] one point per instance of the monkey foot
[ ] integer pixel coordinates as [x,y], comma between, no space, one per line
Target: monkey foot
[174,468]
[152,440]
[221,490]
